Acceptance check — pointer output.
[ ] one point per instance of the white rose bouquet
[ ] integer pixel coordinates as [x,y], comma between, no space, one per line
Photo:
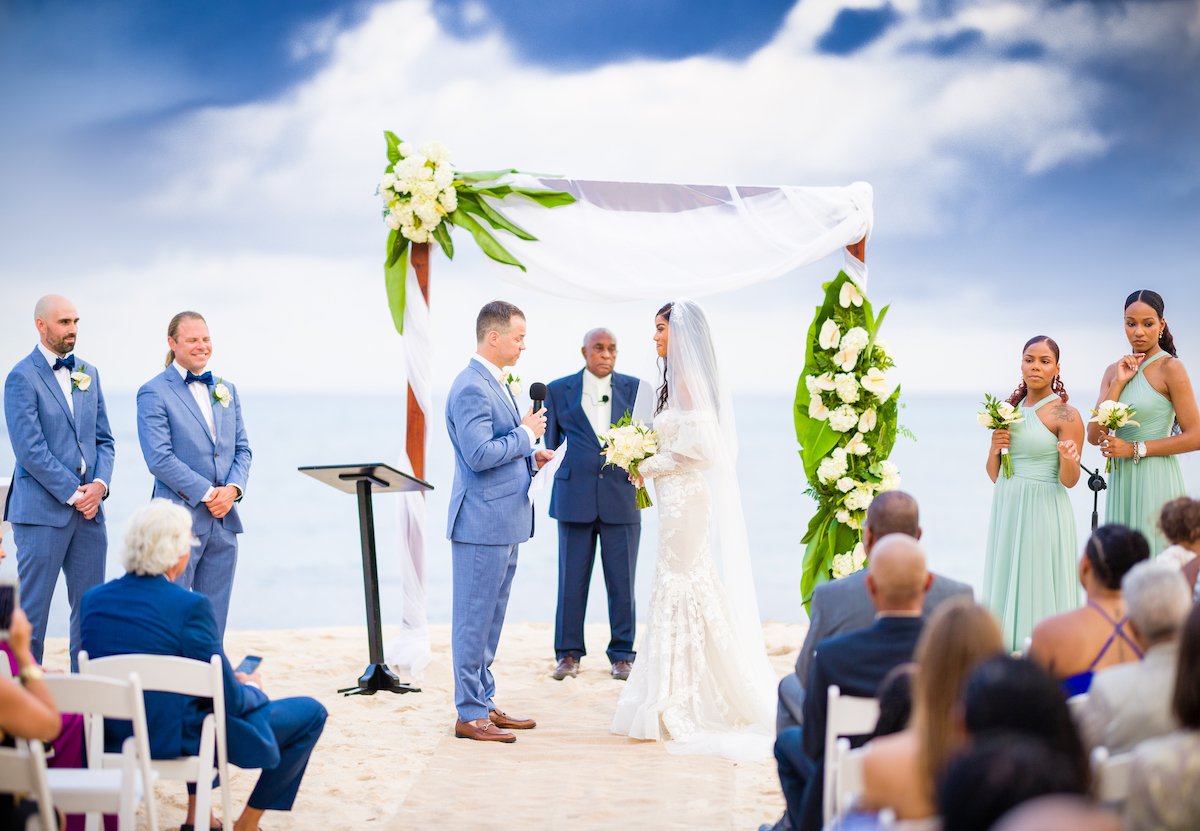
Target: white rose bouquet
[1110,415]
[627,444]
[1000,415]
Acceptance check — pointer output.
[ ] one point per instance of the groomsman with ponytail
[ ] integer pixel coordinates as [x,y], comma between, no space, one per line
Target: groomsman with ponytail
[194,441]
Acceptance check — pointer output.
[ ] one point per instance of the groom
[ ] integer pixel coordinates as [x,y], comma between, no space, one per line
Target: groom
[490,513]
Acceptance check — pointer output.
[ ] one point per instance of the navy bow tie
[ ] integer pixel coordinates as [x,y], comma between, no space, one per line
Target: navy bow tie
[68,362]
[206,378]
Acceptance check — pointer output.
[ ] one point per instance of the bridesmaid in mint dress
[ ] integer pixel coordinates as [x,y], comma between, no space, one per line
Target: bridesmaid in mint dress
[1145,473]
[1031,567]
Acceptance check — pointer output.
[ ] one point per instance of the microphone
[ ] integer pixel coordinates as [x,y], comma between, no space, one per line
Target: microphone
[537,394]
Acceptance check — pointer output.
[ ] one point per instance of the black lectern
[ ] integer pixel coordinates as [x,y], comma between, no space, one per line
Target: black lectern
[365,480]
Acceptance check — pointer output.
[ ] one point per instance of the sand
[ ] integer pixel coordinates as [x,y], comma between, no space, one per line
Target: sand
[392,761]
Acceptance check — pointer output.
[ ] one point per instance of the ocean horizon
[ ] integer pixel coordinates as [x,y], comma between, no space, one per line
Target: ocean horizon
[300,563]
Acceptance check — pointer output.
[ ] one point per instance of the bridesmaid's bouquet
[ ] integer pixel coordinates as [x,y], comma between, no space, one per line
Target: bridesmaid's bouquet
[1110,415]
[626,444]
[1000,415]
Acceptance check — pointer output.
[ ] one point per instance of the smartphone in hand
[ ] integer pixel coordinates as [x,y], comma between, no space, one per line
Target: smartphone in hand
[249,664]
[10,601]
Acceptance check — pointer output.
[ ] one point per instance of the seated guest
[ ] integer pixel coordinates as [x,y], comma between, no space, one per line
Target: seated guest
[843,605]
[1132,702]
[1074,645]
[901,771]
[1014,695]
[145,612]
[998,773]
[1179,522]
[1059,812]
[895,701]
[857,662]
[1162,788]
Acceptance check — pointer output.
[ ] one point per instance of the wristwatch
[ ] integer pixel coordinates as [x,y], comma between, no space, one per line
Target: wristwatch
[32,671]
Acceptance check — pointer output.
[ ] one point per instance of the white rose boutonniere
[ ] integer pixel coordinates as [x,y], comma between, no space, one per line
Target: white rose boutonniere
[221,394]
[80,380]
[514,384]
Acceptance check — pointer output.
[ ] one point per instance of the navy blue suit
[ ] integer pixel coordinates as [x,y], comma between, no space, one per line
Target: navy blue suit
[592,502]
[58,447]
[151,615]
[857,663]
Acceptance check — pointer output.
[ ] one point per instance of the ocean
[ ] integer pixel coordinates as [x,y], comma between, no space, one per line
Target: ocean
[300,563]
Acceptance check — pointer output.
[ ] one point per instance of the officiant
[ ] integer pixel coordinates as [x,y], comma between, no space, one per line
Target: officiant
[592,503]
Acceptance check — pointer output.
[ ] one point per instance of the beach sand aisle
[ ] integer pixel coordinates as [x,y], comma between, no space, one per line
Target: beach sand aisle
[393,760]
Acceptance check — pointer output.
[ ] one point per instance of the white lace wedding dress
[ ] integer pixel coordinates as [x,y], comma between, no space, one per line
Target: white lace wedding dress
[691,683]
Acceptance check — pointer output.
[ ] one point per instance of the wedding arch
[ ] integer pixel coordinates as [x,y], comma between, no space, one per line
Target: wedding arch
[609,242]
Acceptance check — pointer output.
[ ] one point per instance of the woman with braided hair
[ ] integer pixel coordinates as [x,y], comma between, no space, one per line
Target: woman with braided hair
[1029,573]
[1145,473]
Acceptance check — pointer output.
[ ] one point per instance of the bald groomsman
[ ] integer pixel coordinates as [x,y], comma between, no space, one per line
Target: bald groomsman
[58,426]
[192,435]
[592,503]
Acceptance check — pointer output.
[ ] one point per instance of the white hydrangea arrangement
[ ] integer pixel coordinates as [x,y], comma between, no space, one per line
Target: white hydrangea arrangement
[423,195]
[846,422]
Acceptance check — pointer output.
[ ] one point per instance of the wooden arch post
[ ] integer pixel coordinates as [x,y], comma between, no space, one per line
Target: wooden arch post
[858,249]
[415,439]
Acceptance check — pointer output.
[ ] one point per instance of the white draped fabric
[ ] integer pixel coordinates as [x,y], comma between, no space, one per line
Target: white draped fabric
[636,241]
[628,241]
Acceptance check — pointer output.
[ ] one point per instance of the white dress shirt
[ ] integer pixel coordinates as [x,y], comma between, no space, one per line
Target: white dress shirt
[203,395]
[498,374]
[596,400]
[63,376]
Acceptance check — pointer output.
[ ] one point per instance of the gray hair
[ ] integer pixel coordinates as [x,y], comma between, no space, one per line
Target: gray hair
[1158,599]
[596,333]
[156,536]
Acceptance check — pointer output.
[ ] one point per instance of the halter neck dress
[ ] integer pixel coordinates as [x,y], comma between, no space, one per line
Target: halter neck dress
[1136,493]
[1030,570]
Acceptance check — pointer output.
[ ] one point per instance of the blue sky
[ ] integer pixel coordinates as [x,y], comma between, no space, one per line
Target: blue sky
[1033,162]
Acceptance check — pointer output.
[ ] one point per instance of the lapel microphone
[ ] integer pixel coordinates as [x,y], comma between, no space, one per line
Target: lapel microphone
[604,399]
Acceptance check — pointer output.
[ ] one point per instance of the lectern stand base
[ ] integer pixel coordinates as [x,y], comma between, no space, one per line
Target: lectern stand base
[379,677]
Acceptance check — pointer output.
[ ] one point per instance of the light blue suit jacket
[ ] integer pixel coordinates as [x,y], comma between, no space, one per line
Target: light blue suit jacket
[48,442]
[181,453]
[489,504]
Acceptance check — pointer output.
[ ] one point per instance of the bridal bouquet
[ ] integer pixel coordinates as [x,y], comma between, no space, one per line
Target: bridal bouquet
[999,415]
[626,444]
[1111,415]
[846,423]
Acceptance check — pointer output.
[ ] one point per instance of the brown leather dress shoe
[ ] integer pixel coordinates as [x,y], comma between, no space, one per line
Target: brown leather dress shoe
[569,665]
[621,670]
[506,722]
[487,733]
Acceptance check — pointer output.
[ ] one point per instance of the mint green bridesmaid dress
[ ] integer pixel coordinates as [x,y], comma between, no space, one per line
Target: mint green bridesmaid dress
[1136,493]
[1031,567]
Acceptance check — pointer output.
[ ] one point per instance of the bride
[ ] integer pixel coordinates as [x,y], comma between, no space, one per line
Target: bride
[702,680]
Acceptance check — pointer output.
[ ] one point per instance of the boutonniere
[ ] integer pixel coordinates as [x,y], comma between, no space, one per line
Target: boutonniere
[221,394]
[514,384]
[80,380]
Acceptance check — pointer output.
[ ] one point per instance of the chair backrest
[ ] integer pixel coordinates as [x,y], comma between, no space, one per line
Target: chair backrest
[1111,775]
[845,715]
[161,673]
[1076,704]
[1025,644]
[23,770]
[849,785]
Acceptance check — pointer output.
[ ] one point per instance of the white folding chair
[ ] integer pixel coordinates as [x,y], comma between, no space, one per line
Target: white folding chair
[1076,704]
[94,790]
[1025,644]
[845,715]
[1111,775]
[5,668]
[184,676]
[849,785]
[23,770]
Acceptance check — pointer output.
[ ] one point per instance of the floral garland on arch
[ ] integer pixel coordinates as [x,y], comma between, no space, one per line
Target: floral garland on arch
[846,423]
[423,195]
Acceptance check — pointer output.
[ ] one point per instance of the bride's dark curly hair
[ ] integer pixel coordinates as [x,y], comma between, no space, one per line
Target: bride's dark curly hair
[1056,386]
[665,314]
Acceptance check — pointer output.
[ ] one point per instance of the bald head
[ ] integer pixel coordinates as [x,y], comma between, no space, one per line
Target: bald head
[600,352]
[57,323]
[897,579]
[891,512]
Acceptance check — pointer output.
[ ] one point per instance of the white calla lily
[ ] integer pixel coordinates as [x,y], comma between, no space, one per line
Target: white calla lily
[830,335]
[875,382]
[850,294]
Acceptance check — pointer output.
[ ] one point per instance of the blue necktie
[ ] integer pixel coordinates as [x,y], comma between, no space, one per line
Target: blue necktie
[68,362]
[206,378]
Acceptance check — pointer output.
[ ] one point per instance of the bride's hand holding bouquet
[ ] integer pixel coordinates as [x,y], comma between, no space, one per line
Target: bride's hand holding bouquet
[626,445]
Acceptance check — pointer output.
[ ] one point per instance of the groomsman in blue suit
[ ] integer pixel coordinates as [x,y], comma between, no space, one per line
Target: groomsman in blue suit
[591,503]
[58,426]
[490,513]
[194,441]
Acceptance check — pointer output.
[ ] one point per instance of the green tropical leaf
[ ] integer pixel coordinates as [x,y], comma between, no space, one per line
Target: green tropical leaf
[395,275]
[484,175]
[476,204]
[875,331]
[393,147]
[547,198]
[485,240]
[442,234]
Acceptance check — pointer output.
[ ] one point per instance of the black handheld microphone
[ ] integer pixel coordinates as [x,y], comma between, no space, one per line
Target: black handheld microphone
[537,393]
